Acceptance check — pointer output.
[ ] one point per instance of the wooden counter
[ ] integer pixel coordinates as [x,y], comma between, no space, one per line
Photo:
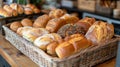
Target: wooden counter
[16,59]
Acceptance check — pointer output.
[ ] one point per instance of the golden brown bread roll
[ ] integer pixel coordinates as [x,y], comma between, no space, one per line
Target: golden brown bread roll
[15,25]
[43,41]
[36,10]
[74,44]
[64,50]
[100,32]
[4,13]
[69,29]
[70,19]
[51,48]
[32,6]
[17,7]
[22,29]
[41,21]
[28,11]
[10,10]
[34,33]
[88,20]
[56,13]
[54,24]
[27,22]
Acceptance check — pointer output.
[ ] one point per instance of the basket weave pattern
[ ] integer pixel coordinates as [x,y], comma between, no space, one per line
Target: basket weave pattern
[86,58]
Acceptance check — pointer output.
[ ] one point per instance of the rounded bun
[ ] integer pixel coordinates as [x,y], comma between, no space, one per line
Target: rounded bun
[64,50]
[56,13]
[28,10]
[43,41]
[41,21]
[32,6]
[34,33]
[15,25]
[90,21]
[27,22]
[70,29]
[36,10]
[23,29]
[70,19]
[51,48]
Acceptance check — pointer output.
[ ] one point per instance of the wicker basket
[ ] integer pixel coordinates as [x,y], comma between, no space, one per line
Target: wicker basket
[86,58]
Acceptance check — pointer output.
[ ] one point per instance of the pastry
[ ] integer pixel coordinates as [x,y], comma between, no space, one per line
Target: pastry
[15,25]
[27,22]
[32,6]
[41,21]
[36,10]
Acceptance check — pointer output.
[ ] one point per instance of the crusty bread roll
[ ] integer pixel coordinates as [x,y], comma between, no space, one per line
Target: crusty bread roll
[32,6]
[54,24]
[70,19]
[36,10]
[100,32]
[56,13]
[88,20]
[15,25]
[64,50]
[17,7]
[70,29]
[34,33]
[27,22]
[74,44]
[4,13]
[41,21]
[43,41]
[28,11]
[23,29]
[10,10]
[51,48]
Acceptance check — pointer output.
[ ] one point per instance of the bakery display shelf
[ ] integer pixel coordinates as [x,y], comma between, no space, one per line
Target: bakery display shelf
[85,58]
[16,18]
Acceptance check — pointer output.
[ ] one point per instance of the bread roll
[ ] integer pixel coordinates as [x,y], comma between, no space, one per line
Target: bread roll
[80,43]
[100,32]
[74,44]
[54,24]
[23,29]
[36,10]
[64,50]
[10,10]
[28,11]
[34,33]
[4,13]
[70,19]
[15,25]
[56,13]
[43,41]
[32,6]
[51,48]
[88,20]
[41,21]
[70,29]
[17,7]
[27,22]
